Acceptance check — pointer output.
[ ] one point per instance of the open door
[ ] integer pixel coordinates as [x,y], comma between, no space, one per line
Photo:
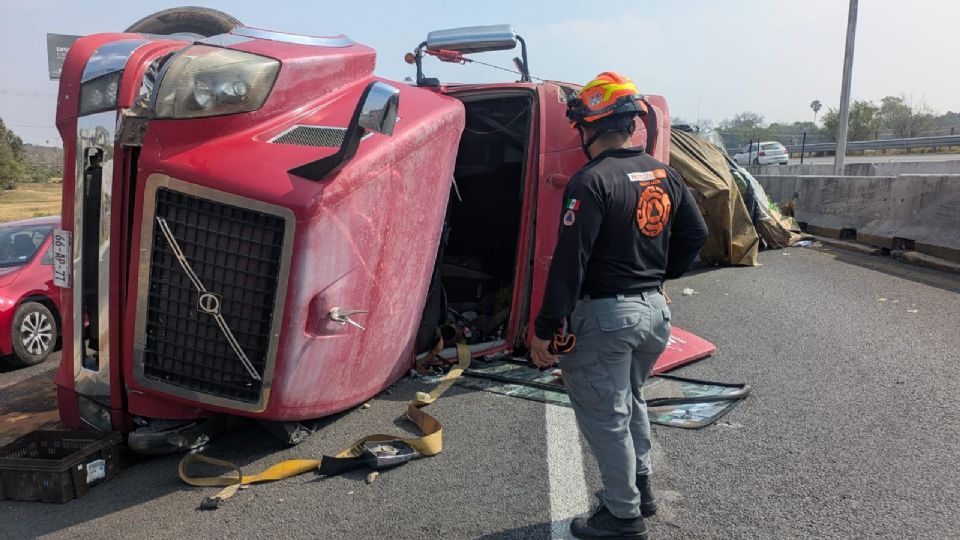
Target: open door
[480,269]
[561,156]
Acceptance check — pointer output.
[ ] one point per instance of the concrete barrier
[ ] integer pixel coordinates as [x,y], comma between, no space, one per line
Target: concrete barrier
[908,211]
[878,168]
[807,169]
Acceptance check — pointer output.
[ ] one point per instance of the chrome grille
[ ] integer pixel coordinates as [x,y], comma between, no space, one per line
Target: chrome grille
[234,253]
[331,137]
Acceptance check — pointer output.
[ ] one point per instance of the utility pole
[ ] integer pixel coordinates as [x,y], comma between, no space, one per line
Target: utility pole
[803,146]
[845,91]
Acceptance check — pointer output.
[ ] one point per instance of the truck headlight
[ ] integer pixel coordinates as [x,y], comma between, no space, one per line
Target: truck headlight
[99,94]
[208,81]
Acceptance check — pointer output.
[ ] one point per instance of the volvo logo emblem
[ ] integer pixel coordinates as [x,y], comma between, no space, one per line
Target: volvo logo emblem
[209,303]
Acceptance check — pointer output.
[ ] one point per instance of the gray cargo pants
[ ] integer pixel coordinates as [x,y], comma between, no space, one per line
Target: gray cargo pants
[618,341]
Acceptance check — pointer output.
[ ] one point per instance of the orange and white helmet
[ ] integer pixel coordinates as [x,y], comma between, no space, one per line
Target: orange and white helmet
[608,94]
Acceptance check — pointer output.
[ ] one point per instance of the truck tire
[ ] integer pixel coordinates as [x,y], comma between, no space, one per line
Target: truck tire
[201,21]
[34,334]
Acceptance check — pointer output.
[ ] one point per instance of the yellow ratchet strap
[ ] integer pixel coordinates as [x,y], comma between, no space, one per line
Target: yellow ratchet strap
[428,444]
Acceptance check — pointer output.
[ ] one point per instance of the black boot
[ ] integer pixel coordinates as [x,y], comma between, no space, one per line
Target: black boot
[603,524]
[648,503]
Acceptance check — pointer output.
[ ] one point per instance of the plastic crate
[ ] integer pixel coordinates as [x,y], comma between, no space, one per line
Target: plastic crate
[57,465]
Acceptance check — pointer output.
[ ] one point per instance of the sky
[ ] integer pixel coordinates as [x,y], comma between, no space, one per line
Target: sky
[711,59]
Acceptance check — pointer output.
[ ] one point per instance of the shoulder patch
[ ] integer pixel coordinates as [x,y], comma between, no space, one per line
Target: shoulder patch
[569,217]
[646,176]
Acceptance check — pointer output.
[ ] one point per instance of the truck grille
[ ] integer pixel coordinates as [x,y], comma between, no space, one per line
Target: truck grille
[234,253]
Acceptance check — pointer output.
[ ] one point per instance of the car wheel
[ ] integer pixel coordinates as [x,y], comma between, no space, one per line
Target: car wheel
[34,334]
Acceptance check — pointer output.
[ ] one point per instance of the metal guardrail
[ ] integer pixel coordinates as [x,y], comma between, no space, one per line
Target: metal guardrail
[882,144]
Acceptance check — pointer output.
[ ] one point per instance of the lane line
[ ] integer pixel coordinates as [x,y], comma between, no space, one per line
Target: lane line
[568,485]
[667,499]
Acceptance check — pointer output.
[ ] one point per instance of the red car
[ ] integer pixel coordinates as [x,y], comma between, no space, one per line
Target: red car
[29,303]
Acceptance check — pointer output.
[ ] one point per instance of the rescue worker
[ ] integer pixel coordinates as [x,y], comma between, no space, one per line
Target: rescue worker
[628,222]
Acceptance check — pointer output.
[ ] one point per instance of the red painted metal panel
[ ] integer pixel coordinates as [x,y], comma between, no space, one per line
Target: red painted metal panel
[561,156]
[67,110]
[365,238]
[68,102]
[682,349]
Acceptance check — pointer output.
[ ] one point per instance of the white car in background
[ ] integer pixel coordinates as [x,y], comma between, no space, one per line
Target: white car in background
[769,153]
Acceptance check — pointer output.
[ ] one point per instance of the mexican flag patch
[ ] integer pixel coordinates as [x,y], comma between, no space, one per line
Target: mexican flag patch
[572,204]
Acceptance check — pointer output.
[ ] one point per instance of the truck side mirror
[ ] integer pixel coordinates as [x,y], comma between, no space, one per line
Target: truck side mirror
[376,111]
[378,108]
[469,40]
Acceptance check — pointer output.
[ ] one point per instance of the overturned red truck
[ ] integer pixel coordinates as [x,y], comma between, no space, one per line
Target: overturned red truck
[256,225]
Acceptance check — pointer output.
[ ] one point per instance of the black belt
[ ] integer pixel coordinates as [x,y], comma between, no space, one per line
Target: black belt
[641,292]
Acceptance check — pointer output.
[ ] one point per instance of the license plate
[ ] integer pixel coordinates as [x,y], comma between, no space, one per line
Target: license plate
[62,257]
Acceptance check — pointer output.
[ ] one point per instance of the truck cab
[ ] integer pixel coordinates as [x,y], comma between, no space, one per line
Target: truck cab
[259,226]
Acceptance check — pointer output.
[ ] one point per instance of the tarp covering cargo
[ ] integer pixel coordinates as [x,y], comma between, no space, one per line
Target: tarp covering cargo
[774,229]
[733,239]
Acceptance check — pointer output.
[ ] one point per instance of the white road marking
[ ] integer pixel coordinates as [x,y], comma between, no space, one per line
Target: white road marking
[667,499]
[568,486]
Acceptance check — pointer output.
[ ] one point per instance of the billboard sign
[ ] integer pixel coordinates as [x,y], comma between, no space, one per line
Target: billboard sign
[57,47]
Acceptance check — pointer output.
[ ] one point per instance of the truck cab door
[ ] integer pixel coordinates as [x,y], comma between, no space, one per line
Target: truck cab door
[560,157]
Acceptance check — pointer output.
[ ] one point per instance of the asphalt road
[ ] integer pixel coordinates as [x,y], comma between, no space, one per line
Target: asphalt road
[850,432]
[10,375]
[28,399]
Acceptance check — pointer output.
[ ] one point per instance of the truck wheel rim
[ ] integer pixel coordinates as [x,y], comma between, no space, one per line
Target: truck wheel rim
[36,333]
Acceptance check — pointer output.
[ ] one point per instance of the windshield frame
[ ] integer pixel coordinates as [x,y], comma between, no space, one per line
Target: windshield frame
[10,230]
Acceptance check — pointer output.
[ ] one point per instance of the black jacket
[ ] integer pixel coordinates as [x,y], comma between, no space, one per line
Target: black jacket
[627,223]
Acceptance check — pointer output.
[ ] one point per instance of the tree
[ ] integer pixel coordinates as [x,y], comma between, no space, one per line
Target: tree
[10,139]
[705,123]
[862,122]
[743,121]
[904,118]
[895,116]
[948,122]
[815,105]
[11,169]
[12,155]
[743,127]
[830,120]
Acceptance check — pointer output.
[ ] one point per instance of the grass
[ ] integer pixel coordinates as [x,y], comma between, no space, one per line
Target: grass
[28,200]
